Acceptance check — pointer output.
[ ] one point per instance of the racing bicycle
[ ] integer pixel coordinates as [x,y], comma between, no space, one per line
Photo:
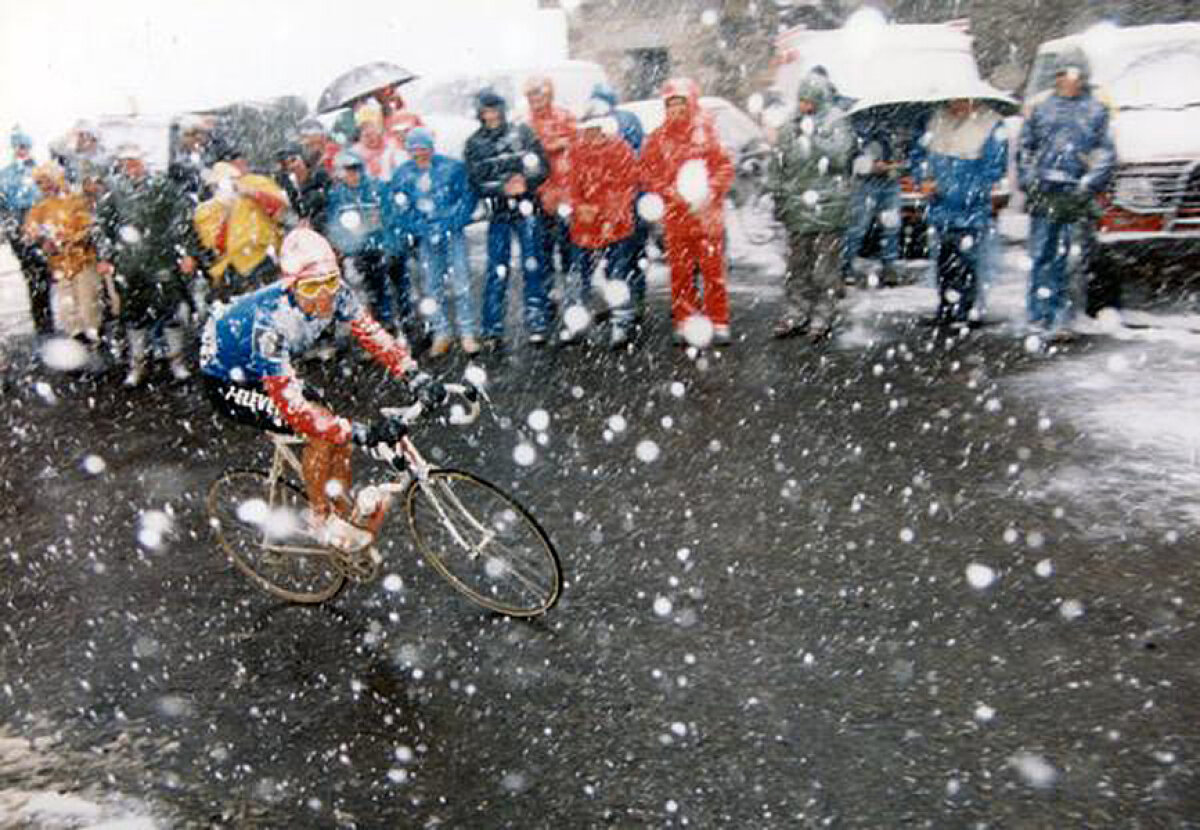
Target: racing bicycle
[479,538]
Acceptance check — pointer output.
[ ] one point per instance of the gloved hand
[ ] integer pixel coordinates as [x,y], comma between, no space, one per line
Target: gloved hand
[428,390]
[385,431]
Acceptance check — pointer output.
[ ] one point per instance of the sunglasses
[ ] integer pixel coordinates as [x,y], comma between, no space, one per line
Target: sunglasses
[314,287]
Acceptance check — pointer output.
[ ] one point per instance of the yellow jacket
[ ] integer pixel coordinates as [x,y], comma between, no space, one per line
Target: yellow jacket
[243,231]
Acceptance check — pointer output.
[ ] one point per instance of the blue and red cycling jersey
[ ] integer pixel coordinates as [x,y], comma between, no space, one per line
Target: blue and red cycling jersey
[252,341]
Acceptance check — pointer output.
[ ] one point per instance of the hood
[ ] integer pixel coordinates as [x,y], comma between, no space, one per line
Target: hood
[816,87]
[683,88]
[490,99]
[1157,135]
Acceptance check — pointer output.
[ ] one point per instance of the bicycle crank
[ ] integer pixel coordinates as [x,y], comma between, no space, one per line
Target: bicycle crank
[361,566]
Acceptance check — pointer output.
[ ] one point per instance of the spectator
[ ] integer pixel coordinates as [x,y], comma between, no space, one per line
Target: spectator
[1065,160]
[83,155]
[319,149]
[684,163]
[506,165]
[354,226]
[604,102]
[961,157]
[144,237]
[602,181]
[196,152]
[60,225]
[306,187]
[808,180]
[555,130]
[238,229]
[379,150]
[874,195]
[434,203]
[18,194]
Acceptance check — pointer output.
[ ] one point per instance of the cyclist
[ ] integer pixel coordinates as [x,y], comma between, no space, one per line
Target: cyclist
[246,363]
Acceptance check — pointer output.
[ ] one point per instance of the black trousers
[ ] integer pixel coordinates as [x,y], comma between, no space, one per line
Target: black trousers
[958,281]
[37,281]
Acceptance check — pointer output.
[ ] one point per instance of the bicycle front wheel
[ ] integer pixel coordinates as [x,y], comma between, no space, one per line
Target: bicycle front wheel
[260,527]
[484,543]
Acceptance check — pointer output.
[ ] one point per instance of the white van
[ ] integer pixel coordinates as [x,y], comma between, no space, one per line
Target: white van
[1149,77]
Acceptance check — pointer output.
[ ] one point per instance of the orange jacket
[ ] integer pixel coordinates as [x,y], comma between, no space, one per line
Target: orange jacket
[555,129]
[62,226]
[603,174]
[680,140]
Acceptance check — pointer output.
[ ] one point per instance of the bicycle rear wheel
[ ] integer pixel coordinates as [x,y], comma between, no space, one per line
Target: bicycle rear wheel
[261,529]
[485,543]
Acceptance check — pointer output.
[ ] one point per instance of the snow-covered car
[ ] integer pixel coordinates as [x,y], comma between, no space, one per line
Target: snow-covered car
[446,103]
[1149,76]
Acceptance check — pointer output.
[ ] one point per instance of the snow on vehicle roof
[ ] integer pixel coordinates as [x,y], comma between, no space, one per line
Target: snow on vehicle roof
[1111,50]
[877,61]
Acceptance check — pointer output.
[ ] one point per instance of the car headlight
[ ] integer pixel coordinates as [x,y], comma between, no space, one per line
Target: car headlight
[1135,193]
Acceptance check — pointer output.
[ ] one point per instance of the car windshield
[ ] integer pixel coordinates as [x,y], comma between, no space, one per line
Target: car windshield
[1166,78]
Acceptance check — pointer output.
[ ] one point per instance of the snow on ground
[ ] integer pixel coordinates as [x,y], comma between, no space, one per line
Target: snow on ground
[1137,398]
[54,807]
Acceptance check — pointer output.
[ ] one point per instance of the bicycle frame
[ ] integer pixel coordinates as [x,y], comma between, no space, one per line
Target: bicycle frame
[405,459]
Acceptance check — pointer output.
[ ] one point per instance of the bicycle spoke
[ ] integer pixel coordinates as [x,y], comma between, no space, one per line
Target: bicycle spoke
[484,543]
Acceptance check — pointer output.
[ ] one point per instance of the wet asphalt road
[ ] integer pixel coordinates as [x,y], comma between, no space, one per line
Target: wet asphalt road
[771,624]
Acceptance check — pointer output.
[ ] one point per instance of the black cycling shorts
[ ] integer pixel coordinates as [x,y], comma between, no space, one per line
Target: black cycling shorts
[248,403]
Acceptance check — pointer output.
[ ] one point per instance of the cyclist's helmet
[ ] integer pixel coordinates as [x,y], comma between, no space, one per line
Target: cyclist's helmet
[305,254]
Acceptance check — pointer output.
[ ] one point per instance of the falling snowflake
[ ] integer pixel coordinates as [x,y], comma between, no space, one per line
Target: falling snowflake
[980,576]
[697,330]
[647,451]
[524,454]
[1035,770]
[651,207]
[538,420]
[64,354]
[94,465]
[692,182]
[576,319]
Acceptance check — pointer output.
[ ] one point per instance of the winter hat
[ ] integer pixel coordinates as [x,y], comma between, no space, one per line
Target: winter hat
[304,254]
[815,87]
[20,139]
[368,112]
[347,159]
[310,126]
[1072,59]
[490,99]
[288,150]
[418,138]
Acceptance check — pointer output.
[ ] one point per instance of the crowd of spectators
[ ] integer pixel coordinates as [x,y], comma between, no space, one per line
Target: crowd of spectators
[116,253]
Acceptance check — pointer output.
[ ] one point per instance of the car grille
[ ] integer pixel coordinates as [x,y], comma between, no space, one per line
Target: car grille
[1174,190]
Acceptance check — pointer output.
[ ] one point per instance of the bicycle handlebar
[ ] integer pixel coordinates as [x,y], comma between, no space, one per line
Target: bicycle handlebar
[459,416]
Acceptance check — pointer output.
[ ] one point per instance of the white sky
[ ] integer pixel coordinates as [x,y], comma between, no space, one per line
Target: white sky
[61,60]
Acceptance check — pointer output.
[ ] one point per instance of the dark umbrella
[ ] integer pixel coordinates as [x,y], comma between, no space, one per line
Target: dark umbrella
[360,82]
